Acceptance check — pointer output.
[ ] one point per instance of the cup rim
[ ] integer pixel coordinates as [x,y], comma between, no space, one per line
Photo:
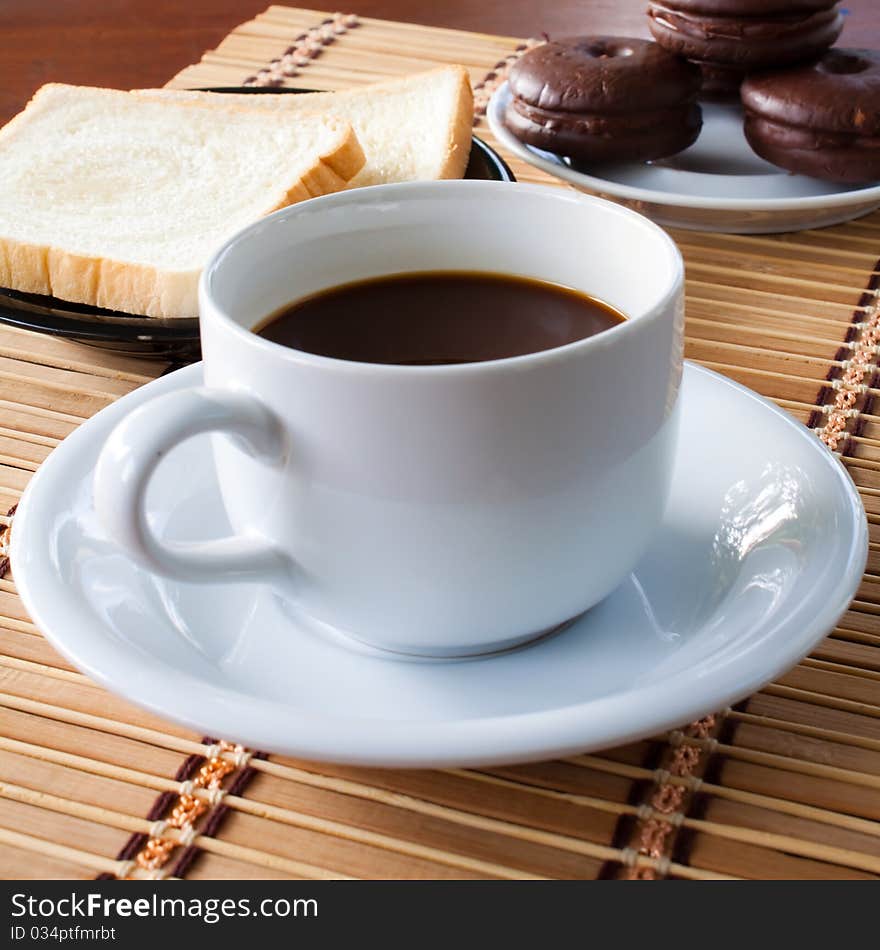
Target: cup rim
[403,191]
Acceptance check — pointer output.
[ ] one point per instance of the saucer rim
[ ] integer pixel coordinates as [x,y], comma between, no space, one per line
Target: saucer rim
[204,707]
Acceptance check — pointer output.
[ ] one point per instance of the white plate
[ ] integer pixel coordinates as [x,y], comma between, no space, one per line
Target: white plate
[762,547]
[718,184]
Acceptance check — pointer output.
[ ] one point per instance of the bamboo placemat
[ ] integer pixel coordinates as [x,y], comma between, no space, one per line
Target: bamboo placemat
[784,785]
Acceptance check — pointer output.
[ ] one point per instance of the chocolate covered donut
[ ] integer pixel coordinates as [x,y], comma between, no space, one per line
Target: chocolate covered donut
[604,98]
[730,38]
[822,119]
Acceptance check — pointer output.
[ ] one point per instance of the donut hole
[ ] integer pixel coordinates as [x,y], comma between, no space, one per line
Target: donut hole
[843,64]
[602,50]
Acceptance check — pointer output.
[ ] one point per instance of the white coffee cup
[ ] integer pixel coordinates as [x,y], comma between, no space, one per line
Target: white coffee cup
[439,510]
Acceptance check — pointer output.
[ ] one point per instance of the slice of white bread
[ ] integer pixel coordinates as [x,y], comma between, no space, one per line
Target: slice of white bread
[416,128]
[118,200]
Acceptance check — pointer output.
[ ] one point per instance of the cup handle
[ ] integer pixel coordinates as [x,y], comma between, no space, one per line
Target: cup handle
[134,450]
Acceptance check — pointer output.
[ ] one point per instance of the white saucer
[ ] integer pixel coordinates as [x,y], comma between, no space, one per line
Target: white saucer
[718,184]
[761,550]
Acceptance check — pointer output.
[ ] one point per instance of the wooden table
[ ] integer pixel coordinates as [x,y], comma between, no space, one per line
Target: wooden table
[783,785]
[143,42]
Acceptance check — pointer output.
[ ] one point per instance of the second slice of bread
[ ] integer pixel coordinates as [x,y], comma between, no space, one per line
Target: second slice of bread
[416,128]
[118,200]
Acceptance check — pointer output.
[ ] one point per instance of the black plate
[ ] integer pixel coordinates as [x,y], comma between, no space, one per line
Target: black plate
[150,337]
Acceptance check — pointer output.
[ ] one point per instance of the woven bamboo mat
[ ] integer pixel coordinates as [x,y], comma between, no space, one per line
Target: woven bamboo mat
[787,784]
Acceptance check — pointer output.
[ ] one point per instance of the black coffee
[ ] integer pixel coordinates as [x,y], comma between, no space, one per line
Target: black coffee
[438,317]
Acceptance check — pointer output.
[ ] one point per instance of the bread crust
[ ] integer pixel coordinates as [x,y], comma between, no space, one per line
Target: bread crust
[143,289]
[460,130]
